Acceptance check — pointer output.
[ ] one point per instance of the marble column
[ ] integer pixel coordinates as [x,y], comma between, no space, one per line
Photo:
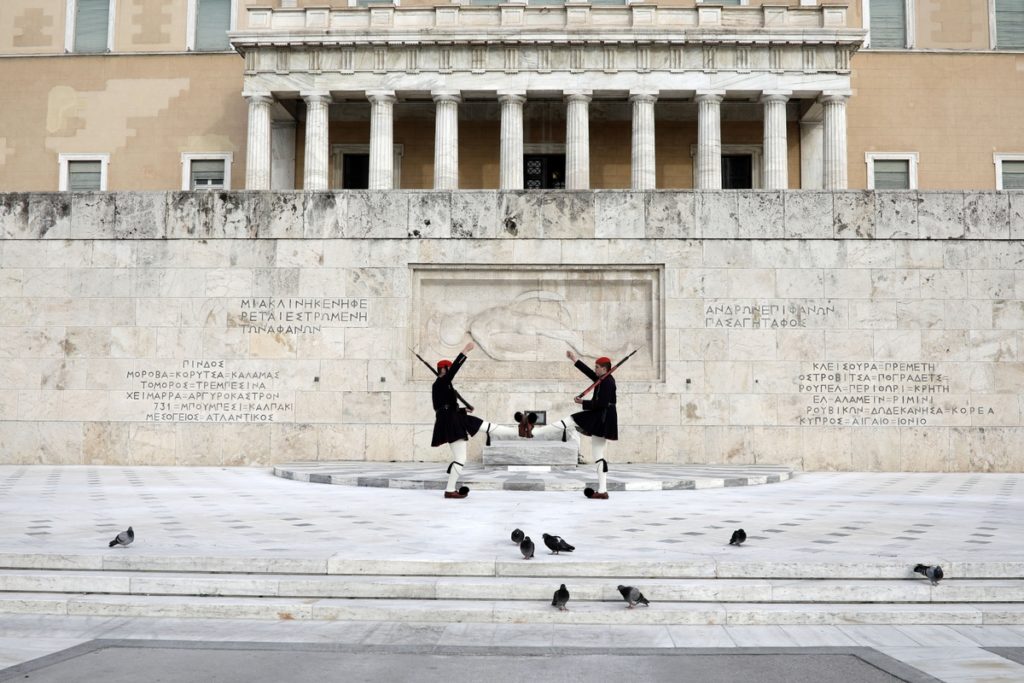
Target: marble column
[577,140]
[257,157]
[708,168]
[811,142]
[446,140]
[643,176]
[511,172]
[317,158]
[382,153]
[834,172]
[775,170]
[282,155]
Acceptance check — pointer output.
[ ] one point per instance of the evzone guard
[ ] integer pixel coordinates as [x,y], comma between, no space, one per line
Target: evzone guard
[598,419]
[453,425]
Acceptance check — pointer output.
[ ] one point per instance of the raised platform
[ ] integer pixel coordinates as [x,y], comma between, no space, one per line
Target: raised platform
[620,478]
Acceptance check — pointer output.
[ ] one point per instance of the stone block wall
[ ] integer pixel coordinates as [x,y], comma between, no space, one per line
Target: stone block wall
[830,331]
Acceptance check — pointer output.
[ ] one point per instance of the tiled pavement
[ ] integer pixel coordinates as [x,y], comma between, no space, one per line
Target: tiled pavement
[819,517]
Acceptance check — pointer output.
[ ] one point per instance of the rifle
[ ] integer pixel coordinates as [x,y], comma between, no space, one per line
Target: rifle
[430,367]
[601,379]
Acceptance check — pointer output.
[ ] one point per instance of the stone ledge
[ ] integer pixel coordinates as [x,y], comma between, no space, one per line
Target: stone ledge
[620,478]
[493,214]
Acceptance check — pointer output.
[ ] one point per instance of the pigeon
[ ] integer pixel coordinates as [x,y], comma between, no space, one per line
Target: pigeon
[518,535]
[738,537]
[526,548]
[633,596]
[933,572]
[560,598]
[557,544]
[123,538]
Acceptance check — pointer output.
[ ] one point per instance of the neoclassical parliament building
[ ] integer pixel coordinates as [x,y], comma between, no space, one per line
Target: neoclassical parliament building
[524,94]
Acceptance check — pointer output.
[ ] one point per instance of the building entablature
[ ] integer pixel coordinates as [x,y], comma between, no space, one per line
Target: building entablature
[515,18]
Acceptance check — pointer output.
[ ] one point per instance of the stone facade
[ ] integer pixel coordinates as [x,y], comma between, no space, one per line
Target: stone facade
[826,330]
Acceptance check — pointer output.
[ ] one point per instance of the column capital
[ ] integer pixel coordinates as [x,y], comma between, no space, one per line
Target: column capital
[259,96]
[834,97]
[776,95]
[447,96]
[578,95]
[709,96]
[381,96]
[643,95]
[513,96]
[315,96]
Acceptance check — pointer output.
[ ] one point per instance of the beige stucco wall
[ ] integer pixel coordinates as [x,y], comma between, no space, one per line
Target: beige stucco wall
[952,109]
[144,111]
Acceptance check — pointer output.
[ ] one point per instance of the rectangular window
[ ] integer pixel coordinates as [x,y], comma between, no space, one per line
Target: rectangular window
[1009,24]
[206,171]
[207,174]
[92,23]
[83,172]
[1013,175]
[85,176]
[892,174]
[888,23]
[213,21]
[1009,171]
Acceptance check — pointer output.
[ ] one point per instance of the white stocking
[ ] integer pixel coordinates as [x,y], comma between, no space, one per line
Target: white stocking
[556,428]
[500,431]
[458,462]
[597,444]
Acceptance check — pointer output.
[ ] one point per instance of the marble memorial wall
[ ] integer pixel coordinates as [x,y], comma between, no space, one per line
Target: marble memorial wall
[831,331]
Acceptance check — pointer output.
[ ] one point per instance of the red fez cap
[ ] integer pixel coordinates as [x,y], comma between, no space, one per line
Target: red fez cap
[444,363]
[604,360]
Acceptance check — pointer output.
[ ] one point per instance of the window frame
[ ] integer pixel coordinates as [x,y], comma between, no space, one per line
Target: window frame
[993,30]
[63,162]
[340,149]
[186,167]
[998,158]
[70,14]
[192,16]
[909,9]
[756,153]
[912,157]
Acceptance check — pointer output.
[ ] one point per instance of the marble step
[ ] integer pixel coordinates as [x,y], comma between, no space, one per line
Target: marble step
[508,564]
[530,452]
[480,611]
[915,590]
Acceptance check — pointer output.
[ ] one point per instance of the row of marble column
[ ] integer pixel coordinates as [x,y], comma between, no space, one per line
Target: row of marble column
[707,168]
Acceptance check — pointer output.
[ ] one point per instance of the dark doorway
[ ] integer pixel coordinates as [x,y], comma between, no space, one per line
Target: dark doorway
[737,171]
[544,171]
[355,171]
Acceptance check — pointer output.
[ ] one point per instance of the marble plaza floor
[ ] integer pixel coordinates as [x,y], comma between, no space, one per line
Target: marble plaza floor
[852,524]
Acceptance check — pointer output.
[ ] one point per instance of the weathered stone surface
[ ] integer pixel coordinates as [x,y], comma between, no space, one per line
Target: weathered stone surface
[182,214]
[92,215]
[275,215]
[430,214]
[809,214]
[987,215]
[474,214]
[760,214]
[940,215]
[670,215]
[14,215]
[564,214]
[377,214]
[140,215]
[896,215]
[1016,215]
[619,214]
[520,214]
[325,214]
[716,214]
[854,214]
